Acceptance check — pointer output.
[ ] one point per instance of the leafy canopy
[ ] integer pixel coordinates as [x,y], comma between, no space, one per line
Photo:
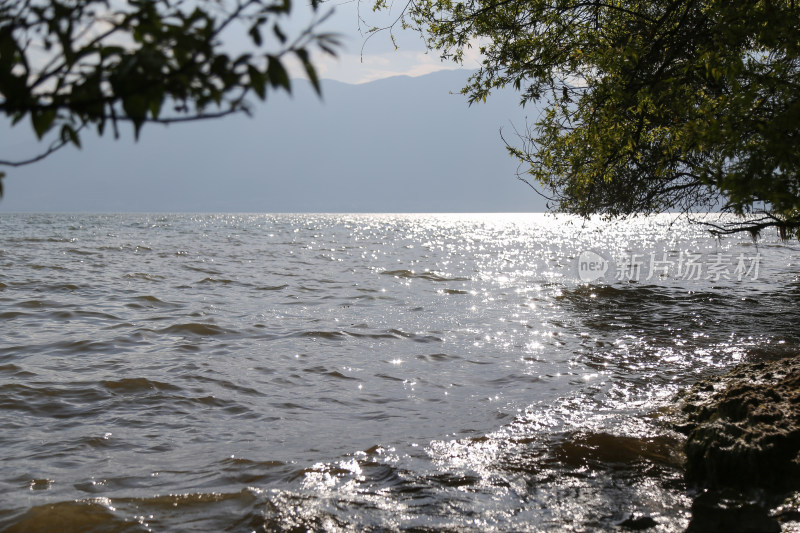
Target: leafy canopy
[646,106]
[68,64]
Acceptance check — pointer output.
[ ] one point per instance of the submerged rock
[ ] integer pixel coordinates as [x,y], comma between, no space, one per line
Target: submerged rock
[716,512]
[743,445]
[638,523]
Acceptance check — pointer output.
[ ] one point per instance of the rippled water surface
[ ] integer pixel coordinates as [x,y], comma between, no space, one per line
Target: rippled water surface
[360,372]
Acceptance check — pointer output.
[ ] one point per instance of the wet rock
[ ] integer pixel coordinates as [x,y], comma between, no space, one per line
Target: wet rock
[638,523]
[744,428]
[580,449]
[788,512]
[713,512]
[743,447]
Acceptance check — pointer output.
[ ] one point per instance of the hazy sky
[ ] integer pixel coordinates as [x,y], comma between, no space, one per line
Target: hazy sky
[363,60]
[375,143]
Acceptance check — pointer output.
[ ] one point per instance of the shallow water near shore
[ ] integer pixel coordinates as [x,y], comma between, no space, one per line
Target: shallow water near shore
[364,372]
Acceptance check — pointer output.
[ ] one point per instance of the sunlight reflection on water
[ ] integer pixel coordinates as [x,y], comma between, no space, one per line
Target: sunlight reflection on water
[356,372]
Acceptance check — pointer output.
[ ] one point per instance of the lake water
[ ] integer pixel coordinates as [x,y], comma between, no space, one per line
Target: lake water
[365,372]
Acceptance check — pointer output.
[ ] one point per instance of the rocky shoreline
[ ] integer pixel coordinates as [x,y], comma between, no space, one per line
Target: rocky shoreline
[743,448]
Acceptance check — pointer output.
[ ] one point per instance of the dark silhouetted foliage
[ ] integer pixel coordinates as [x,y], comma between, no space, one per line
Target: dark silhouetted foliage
[69,64]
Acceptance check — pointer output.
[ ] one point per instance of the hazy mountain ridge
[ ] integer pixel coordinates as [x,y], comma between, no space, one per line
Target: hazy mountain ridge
[399,144]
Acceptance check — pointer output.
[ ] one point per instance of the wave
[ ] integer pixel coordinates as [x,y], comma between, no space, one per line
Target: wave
[430,276]
[196,329]
[145,276]
[132,385]
[272,287]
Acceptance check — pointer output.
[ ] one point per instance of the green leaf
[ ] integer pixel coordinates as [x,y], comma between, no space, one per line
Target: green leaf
[278,33]
[156,101]
[257,81]
[278,77]
[108,51]
[42,121]
[255,34]
[310,70]
[135,106]
[68,134]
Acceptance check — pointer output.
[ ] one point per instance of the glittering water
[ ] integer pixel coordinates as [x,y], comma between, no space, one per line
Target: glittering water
[362,372]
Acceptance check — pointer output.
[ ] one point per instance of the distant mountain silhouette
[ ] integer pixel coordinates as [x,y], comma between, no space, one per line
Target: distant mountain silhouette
[395,145]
